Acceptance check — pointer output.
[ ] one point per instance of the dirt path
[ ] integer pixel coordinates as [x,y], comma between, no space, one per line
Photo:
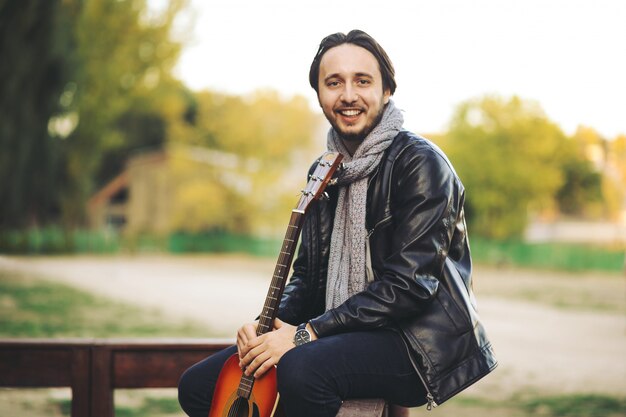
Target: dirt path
[540,348]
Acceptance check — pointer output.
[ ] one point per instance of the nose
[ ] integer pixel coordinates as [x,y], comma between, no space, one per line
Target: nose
[349,95]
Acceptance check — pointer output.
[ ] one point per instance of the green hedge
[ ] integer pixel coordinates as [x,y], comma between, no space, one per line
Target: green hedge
[54,240]
[562,256]
[222,242]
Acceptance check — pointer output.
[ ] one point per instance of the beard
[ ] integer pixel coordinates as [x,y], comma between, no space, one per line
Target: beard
[362,134]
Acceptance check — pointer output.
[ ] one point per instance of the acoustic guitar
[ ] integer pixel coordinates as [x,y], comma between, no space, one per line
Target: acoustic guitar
[238,395]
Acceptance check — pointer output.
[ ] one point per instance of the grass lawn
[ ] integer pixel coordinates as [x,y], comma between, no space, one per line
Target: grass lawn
[32,307]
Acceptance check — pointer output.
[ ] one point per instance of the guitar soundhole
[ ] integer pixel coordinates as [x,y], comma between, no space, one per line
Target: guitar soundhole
[239,408]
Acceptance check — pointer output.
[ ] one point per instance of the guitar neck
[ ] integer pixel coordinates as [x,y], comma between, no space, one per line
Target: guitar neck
[318,181]
[281,272]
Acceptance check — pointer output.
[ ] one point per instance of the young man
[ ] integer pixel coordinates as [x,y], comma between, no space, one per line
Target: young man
[380,302]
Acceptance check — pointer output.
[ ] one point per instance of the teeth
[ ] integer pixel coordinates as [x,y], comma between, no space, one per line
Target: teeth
[350,112]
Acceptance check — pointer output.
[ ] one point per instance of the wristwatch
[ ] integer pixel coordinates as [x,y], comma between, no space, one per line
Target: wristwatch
[302,335]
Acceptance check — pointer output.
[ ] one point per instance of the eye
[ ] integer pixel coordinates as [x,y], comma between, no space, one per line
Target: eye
[363,81]
[332,83]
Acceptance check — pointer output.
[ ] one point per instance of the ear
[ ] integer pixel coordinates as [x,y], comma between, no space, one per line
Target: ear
[386,95]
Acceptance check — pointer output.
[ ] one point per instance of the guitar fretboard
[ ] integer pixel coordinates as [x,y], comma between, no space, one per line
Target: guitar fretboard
[275,291]
[283,266]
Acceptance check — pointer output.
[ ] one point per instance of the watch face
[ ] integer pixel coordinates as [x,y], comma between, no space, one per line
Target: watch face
[301,337]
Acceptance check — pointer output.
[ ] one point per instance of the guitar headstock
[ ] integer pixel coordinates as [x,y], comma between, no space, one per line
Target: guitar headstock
[326,167]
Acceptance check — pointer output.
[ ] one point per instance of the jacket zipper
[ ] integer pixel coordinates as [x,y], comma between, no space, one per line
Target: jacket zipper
[430,400]
[369,270]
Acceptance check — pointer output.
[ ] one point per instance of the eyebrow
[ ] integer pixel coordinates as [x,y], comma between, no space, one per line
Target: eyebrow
[358,74]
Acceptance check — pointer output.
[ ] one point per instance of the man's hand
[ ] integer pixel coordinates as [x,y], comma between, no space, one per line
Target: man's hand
[257,354]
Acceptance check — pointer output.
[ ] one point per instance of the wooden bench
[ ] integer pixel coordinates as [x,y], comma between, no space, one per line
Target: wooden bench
[94,368]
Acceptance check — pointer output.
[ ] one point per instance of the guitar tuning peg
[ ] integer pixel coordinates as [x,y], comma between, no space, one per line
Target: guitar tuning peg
[324,196]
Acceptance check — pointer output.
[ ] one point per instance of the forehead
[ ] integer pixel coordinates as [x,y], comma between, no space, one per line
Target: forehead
[347,59]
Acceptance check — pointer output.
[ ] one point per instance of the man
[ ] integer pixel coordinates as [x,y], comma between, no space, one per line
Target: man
[381,293]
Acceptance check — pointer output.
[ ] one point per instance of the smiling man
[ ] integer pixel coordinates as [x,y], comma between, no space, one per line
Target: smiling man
[380,301]
[351,92]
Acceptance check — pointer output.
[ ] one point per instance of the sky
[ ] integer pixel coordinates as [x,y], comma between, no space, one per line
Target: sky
[568,55]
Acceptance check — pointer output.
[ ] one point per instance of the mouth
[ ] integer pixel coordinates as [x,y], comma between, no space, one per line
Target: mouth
[349,112]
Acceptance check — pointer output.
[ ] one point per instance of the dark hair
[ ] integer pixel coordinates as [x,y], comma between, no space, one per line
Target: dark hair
[358,38]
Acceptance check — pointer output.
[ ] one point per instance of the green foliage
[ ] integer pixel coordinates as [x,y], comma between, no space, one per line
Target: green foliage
[55,240]
[259,150]
[219,242]
[584,405]
[581,193]
[30,307]
[81,81]
[558,256]
[34,42]
[506,153]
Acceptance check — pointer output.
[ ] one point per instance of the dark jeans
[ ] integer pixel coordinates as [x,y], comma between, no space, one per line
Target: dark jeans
[314,378]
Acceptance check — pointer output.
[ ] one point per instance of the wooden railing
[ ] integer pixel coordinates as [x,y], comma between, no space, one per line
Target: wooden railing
[94,368]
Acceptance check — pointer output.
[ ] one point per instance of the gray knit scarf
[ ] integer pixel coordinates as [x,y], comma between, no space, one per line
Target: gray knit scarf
[347,263]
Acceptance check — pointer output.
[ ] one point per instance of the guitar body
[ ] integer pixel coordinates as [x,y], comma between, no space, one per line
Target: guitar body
[226,402]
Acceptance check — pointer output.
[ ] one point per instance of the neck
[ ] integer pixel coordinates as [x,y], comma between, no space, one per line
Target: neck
[351,145]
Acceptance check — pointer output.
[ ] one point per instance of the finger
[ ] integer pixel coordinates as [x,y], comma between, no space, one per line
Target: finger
[240,345]
[242,340]
[245,333]
[251,350]
[258,361]
[249,330]
[265,366]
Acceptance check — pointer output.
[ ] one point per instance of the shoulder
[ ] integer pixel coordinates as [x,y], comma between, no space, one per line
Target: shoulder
[411,154]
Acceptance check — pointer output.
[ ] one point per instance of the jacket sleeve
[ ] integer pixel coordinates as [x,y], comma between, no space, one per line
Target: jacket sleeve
[411,243]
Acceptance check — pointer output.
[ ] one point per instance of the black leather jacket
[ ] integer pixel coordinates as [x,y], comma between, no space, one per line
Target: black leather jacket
[421,266]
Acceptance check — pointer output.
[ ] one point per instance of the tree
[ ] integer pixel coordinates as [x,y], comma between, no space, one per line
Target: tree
[508,155]
[266,145]
[122,58]
[580,194]
[614,184]
[91,76]
[33,45]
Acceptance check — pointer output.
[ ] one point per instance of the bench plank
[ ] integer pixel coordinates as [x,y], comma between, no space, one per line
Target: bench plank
[363,408]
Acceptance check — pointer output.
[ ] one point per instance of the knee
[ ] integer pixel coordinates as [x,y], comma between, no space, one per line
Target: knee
[185,387]
[294,374]
[188,396]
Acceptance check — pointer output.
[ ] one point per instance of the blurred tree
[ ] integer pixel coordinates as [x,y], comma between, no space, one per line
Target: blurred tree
[82,81]
[618,155]
[34,44]
[124,58]
[508,155]
[266,145]
[583,160]
[614,184]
